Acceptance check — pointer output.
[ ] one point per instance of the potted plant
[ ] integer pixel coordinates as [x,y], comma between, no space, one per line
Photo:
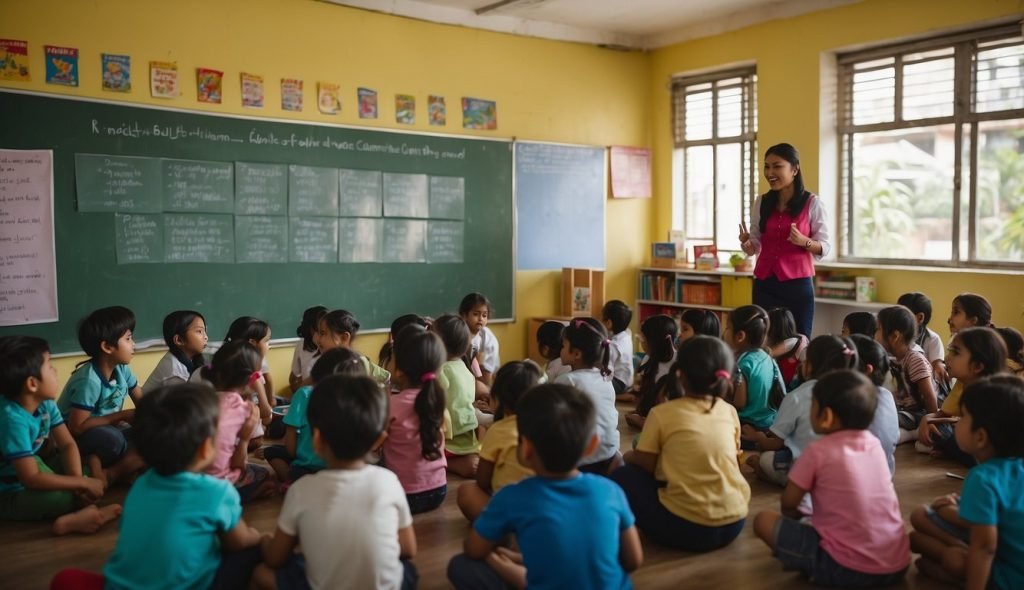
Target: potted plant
[741,262]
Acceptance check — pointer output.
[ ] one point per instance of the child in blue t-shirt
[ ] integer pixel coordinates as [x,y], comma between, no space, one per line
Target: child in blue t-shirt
[29,488]
[758,389]
[297,456]
[575,530]
[93,397]
[977,538]
[177,520]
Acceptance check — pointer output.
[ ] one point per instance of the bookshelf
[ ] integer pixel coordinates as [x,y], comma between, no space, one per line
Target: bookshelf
[671,290]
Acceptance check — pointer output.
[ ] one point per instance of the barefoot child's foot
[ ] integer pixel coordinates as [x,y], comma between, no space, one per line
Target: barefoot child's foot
[87,520]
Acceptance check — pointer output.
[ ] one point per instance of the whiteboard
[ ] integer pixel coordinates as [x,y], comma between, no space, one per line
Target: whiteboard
[560,205]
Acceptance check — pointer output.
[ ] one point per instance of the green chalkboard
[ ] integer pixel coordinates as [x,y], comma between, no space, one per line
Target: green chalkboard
[102,255]
[111,183]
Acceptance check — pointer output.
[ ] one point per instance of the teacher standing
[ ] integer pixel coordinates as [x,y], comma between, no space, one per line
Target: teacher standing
[788,231]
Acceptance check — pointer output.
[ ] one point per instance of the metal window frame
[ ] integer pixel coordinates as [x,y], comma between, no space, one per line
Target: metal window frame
[746,139]
[965,48]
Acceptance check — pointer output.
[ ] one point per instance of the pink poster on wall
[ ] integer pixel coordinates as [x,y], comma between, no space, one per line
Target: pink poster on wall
[631,172]
[28,270]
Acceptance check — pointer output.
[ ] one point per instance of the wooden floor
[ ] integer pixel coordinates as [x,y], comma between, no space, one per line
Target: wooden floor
[30,555]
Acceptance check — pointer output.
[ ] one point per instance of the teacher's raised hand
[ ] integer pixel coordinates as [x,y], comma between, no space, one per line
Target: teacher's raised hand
[744,234]
[797,238]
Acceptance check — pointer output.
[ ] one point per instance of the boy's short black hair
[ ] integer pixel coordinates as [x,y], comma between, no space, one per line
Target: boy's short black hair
[104,325]
[618,313]
[172,422]
[861,322]
[850,396]
[997,404]
[21,357]
[558,420]
[350,413]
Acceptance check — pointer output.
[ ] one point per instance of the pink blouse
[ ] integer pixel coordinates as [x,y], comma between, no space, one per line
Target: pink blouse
[402,450]
[234,411]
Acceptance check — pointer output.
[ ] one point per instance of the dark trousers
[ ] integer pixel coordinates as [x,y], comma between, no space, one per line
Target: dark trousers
[660,524]
[796,295]
[426,501]
[109,443]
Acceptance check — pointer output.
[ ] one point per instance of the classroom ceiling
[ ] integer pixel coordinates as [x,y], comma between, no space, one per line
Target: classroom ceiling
[626,24]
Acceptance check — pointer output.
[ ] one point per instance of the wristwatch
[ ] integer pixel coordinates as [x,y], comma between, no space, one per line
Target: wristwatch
[807,246]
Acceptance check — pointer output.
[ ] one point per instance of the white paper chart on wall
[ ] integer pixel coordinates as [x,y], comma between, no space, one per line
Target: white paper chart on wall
[28,269]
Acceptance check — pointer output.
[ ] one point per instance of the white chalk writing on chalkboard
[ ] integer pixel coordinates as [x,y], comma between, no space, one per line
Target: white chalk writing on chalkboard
[261,238]
[360,193]
[313,239]
[199,187]
[447,197]
[359,239]
[28,272]
[406,195]
[261,189]
[445,241]
[139,238]
[197,237]
[124,184]
[404,240]
[312,191]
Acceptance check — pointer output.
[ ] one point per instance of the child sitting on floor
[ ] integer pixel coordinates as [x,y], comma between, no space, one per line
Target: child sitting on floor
[857,538]
[351,518]
[683,481]
[499,465]
[977,538]
[30,489]
[575,530]
[181,528]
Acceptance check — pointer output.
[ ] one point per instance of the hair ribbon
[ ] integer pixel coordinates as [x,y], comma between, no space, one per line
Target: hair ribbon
[427,377]
[254,377]
[723,374]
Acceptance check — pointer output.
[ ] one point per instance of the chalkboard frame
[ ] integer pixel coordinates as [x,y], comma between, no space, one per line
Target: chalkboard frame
[65,145]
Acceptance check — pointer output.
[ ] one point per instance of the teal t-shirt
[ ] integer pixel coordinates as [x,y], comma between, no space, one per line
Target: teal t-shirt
[758,370]
[992,496]
[296,417]
[87,390]
[170,532]
[21,435]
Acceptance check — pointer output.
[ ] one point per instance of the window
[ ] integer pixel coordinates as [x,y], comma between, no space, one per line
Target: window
[715,160]
[932,151]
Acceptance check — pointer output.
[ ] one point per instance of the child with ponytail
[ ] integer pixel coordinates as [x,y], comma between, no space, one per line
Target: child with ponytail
[683,481]
[185,335]
[234,370]
[758,389]
[791,431]
[414,448]
[459,386]
[658,339]
[586,349]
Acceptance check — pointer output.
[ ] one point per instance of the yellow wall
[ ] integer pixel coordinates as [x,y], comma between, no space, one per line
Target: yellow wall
[545,90]
[788,57]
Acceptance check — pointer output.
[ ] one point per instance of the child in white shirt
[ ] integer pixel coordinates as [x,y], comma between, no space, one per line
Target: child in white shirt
[352,518]
[616,316]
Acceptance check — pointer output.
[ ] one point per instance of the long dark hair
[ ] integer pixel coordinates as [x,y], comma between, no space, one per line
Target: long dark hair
[977,307]
[706,365]
[419,356]
[247,328]
[660,332]
[306,329]
[800,195]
